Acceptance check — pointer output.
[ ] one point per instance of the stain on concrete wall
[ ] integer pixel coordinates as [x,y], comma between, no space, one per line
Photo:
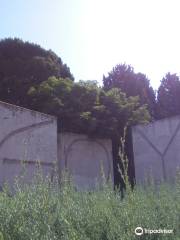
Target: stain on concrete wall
[156,150]
[83,157]
[27,136]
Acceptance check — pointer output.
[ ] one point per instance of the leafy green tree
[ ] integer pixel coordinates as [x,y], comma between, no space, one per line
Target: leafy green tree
[168,97]
[24,65]
[85,107]
[70,102]
[133,84]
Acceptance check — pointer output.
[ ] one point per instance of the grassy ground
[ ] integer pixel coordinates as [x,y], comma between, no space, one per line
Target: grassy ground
[44,210]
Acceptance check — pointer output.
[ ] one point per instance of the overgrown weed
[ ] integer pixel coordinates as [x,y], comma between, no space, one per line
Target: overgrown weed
[47,210]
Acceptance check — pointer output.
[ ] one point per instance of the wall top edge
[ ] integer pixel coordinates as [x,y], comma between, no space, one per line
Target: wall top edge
[157,121]
[15,107]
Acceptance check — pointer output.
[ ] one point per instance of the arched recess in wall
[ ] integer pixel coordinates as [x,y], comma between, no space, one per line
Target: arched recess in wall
[75,149]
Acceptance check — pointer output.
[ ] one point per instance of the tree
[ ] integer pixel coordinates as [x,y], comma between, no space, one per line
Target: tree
[133,84]
[70,102]
[84,107]
[24,65]
[168,98]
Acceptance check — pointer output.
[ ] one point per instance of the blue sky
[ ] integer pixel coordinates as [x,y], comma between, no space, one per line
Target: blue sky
[92,36]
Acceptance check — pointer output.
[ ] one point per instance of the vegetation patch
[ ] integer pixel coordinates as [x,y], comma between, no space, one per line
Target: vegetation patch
[46,210]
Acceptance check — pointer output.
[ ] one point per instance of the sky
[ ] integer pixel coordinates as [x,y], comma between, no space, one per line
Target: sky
[93,36]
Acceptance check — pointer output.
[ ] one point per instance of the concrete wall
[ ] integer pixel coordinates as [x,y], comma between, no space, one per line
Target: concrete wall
[83,157]
[31,136]
[25,135]
[156,149]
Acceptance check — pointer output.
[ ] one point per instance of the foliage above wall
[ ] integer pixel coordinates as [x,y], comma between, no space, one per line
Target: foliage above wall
[23,65]
[85,107]
[28,73]
[168,98]
[33,77]
[133,84]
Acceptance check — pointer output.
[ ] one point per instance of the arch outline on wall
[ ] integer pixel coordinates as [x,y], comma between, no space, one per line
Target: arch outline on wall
[67,150]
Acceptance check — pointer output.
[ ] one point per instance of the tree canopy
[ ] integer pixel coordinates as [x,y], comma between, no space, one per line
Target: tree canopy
[85,107]
[168,98]
[33,77]
[23,65]
[133,84]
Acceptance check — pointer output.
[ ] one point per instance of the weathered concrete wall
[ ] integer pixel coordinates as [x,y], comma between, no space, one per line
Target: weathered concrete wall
[30,136]
[83,157]
[156,149]
[25,135]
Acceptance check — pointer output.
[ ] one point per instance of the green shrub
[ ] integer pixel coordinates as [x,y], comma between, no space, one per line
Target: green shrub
[1,236]
[45,210]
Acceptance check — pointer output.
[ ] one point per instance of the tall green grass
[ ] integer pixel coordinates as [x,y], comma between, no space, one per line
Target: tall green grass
[45,210]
